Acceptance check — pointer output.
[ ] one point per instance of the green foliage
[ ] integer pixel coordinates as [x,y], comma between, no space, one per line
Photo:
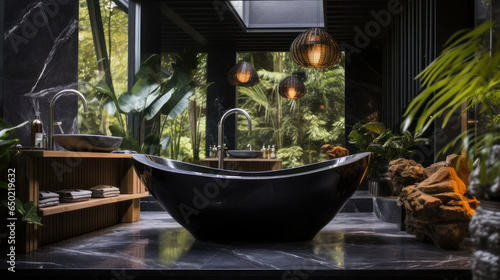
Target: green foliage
[306,123]
[5,143]
[101,108]
[186,132]
[28,210]
[153,94]
[293,154]
[384,145]
[467,72]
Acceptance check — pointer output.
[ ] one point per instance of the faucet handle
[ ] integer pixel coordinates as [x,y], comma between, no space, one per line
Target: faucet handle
[249,146]
[60,127]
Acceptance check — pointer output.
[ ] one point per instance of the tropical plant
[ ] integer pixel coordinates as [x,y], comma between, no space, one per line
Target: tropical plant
[187,131]
[152,94]
[27,211]
[298,127]
[384,145]
[466,74]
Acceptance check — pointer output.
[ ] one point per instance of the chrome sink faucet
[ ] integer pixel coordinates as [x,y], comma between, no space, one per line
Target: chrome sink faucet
[51,111]
[220,149]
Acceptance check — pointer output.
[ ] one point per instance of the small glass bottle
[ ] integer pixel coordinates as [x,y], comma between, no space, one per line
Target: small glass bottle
[273,152]
[210,152]
[263,151]
[36,127]
[268,150]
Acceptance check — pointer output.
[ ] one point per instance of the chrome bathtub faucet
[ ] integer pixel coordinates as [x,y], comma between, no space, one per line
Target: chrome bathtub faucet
[51,110]
[220,148]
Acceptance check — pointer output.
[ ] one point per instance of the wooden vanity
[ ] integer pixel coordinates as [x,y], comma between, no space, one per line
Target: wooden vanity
[245,164]
[55,170]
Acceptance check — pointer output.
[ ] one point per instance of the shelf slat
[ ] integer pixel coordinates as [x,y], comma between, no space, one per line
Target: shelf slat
[63,154]
[65,207]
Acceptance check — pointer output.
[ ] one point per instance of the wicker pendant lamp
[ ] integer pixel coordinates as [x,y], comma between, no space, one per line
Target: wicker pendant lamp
[242,74]
[292,87]
[315,48]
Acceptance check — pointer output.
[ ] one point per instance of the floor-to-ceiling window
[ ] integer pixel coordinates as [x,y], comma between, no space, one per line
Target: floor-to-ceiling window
[186,132]
[102,63]
[297,127]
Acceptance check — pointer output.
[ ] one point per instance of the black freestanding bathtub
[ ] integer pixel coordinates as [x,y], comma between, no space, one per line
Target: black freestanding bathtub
[221,205]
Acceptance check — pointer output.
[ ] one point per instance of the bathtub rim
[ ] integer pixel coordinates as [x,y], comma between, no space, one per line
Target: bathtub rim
[248,175]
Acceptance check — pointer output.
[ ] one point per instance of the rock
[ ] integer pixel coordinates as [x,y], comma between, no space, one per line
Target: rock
[334,152]
[462,169]
[448,175]
[439,209]
[433,168]
[404,172]
[485,232]
[483,190]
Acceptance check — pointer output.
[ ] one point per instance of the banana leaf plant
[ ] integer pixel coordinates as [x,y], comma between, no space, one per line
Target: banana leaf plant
[467,73]
[152,95]
[384,145]
[27,211]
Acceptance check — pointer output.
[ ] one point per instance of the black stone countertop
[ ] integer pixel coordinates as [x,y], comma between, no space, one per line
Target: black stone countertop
[352,246]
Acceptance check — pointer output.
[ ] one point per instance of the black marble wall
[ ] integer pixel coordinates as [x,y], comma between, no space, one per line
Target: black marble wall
[39,58]
[363,90]
[221,96]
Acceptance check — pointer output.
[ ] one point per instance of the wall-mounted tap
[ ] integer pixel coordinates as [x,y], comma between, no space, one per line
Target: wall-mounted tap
[221,131]
[51,111]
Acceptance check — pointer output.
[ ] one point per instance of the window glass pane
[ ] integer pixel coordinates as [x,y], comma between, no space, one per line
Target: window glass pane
[182,141]
[115,30]
[297,127]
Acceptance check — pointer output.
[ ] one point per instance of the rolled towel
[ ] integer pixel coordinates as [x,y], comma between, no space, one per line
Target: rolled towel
[46,194]
[74,193]
[48,200]
[104,189]
[71,200]
[47,204]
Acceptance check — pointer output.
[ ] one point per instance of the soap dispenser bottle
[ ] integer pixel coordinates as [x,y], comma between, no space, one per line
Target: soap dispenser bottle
[264,151]
[37,131]
[273,152]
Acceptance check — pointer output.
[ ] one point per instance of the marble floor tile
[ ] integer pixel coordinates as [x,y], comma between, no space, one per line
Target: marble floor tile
[354,242]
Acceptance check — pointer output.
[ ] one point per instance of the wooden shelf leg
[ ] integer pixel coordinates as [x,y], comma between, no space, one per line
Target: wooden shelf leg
[130,210]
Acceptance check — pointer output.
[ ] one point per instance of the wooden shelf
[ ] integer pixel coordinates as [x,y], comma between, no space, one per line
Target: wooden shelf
[246,164]
[48,170]
[66,154]
[65,207]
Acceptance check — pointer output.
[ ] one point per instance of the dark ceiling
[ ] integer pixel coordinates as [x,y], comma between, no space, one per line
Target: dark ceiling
[210,24]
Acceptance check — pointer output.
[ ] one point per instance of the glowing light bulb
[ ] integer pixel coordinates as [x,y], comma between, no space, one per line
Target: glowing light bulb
[292,93]
[243,77]
[314,54]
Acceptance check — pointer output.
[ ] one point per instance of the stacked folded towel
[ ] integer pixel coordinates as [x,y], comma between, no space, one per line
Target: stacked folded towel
[46,199]
[74,195]
[105,191]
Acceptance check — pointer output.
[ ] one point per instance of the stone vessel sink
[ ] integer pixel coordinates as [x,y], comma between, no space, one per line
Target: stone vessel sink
[244,153]
[88,142]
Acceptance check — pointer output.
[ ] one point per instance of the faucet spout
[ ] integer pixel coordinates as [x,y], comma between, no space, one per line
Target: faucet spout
[51,111]
[221,131]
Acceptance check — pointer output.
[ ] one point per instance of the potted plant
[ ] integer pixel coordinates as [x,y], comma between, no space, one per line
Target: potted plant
[385,146]
[467,75]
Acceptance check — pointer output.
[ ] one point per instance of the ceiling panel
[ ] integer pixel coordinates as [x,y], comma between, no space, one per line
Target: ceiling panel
[220,28]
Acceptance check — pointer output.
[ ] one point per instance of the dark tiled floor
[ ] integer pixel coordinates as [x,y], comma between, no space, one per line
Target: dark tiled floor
[352,246]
